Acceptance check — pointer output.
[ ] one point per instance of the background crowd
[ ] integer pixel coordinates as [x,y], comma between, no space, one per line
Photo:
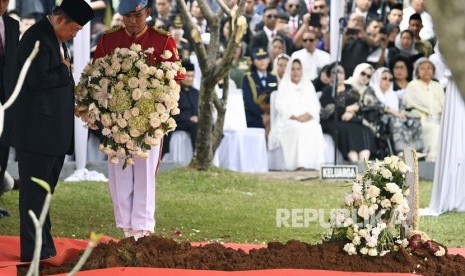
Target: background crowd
[387,93]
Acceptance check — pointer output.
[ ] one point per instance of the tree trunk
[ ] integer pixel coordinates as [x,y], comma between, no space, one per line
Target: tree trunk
[449,24]
[209,134]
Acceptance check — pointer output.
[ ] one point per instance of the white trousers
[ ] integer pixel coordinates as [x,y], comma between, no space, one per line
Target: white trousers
[132,192]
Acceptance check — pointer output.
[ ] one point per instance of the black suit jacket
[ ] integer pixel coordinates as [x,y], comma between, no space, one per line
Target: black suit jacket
[188,104]
[260,39]
[45,121]
[8,75]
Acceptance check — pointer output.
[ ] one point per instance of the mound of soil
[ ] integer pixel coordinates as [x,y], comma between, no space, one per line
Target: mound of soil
[154,251]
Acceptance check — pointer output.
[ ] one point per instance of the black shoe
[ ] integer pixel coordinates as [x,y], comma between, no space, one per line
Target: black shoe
[4,213]
[17,184]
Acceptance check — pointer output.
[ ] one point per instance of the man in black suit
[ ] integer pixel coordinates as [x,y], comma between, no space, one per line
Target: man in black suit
[44,127]
[262,39]
[9,37]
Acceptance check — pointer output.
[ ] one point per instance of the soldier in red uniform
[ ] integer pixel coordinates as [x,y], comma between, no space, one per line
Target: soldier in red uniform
[133,190]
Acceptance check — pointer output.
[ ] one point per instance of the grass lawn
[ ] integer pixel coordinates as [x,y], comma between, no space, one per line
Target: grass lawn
[217,205]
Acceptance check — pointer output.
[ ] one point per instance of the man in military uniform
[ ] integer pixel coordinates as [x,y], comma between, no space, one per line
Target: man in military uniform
[133,190]
[257,86]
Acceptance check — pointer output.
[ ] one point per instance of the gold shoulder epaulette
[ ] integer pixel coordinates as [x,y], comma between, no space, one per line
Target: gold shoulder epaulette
[162,32]
[112,30]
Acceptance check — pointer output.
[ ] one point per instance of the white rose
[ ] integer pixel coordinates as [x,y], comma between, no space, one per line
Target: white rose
[155,122]
[161,108]
[130,143]
[385,203]
[136,94]
[114,160]
[164,117]
[348,222]
[387,160]
[149,50]
[173,84]
[155,83]
[127,115]
[386,174]
[101,147]
[158,133]
[363,211]
[175,111]
[139,64]
[372,252]
[121,152]
[125,138]
[147,95]
[182,70]
[392,188]
[402,167]
[159,74]
[397,198]
[126,66]
[122,123]
[364,250]
[109,71]
[119,85]
[406,192]
[114,129]
[133,82]
[171,104]
[170,75]
[106,131]
[134,133]
[136,47]
[107,151]
[395,159]
[144,69]
[371,210]
[130,161]
[152,70]
[135,111]
[117,137]
[106,120]
[143,83]
[116,66]
[166,55]
[373,191]
[356,240]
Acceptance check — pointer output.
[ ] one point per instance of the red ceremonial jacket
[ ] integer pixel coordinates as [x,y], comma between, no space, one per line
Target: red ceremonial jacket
[158,39]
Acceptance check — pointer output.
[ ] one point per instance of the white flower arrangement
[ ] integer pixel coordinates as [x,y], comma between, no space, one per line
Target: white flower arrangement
[129,101]
[377,206]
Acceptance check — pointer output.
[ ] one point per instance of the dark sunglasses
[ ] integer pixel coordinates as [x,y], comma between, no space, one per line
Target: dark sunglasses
[386,78]
[319,7]
[270,16]
[365,75]
[308,40]
[294,5]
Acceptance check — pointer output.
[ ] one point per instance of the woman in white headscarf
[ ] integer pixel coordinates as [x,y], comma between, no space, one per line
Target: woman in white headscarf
[426,99]
[404,131]
[296,121]
[361,78]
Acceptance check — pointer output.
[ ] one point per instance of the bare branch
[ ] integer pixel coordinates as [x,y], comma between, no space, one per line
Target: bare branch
[232,44]
[199,47]
[224,7]
[206,10]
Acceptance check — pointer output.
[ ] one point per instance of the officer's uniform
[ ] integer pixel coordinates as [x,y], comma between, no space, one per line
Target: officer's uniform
[133,189]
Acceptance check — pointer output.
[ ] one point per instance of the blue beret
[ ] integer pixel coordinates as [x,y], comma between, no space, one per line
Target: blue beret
[127,6]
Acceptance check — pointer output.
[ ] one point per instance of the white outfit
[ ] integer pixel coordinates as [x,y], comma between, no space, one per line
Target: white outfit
[132,192]
[311,62]
[427,32]
[302,143]
[428,102]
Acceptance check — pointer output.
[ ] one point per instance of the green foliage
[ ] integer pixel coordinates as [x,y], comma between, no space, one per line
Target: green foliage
[216,205]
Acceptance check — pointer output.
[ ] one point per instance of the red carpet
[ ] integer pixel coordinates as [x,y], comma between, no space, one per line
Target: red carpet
[69,248]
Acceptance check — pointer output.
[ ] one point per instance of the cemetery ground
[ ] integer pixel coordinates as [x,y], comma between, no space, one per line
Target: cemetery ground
[221,206]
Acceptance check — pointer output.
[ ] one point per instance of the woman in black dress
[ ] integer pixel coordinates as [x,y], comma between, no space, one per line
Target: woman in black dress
[354,140]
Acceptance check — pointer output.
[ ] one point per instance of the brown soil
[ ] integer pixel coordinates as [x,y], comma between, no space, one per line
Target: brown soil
[154,251]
